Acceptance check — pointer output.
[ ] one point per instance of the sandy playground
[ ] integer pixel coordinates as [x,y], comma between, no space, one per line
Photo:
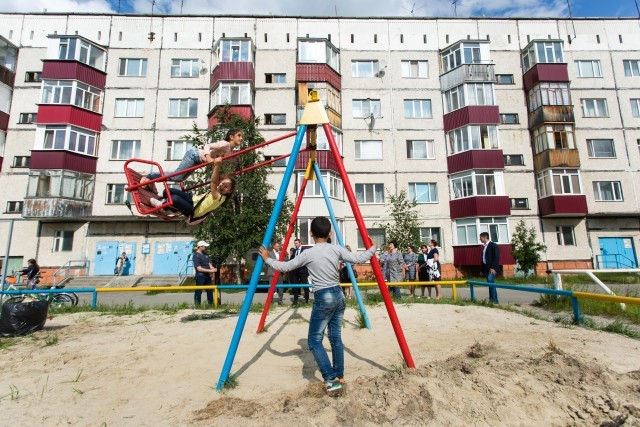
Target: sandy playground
[475,366]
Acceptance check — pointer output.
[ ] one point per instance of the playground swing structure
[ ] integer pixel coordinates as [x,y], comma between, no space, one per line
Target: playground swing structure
[314,115]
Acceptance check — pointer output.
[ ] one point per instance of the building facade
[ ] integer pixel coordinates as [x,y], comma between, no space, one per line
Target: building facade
[483,121]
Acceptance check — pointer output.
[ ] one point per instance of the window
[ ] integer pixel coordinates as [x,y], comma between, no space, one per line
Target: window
[415,69]
[184,107]
[635,107]
[14,207]
[588,68]
[318,51]
[467,232]
[496,227]
[610,191]
[27,118]
[631,67]
[234,93]
[33,77]
[553,137]
[82,51]
[70,138]
[483,137]
[20,162]
[87,97]
[177,149]
[542,53]
[509,119]
[476,183]
[276,78]
[329,96]
[132,67]
[565,236]
[275,119]
[366,107]
[558,182]
[281,163]
[116,194]
[332,183]
[417,108]
[129,107]
[468,94]
[376,235]
[368,150]
[463,53]
[519,203]
[594,107]
[45,183]
[57,92]
[71,92]
[513,159]
[423,192]
[420,149]
[62,241]
[601,148]
[504,79]
[235,51]
[431,233]
[125,149]
[185,68]
[548,94]
[370,193]
[361,69]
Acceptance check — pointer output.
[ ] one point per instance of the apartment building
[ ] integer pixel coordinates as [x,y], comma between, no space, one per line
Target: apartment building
[483,121]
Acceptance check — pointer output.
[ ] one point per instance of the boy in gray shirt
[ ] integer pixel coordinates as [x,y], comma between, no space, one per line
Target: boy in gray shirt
[322,261]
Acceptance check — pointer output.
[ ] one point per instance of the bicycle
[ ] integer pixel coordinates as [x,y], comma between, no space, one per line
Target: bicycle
[57,300]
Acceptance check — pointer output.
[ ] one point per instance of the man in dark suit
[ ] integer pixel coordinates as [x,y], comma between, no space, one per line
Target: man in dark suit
[490,263]
[299,275]
[275,254]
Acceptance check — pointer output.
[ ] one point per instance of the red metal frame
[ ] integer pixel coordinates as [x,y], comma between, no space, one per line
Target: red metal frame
[141,207]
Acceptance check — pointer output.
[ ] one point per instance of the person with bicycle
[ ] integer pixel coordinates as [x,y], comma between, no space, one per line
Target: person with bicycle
[31,272]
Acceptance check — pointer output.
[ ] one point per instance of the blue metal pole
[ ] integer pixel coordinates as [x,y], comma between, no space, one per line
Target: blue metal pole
[94,301]
[473,294]
[246,305]
[576,310]
[336,229]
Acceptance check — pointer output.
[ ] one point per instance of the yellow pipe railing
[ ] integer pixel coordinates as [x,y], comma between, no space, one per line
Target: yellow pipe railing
[611,298]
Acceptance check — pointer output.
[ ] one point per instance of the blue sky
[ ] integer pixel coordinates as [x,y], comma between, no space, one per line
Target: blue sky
[502,8]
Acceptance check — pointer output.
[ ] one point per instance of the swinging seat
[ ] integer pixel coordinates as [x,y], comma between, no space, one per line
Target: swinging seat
[142,197]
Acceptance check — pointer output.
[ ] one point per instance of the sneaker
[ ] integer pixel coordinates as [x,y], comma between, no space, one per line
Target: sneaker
[332,385]
[340,380]
[156,202]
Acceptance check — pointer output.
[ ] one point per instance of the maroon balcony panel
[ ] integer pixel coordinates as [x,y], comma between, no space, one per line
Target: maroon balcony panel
[245,111]
[475,159]
[68,114]
[1,160]
[55,69]
[4,121]
[62,159]
[472,115]
[317,73]
[7,76]
[324,158]
[472,255]
[545,73]
[480,206]
[567,205]
[233,71]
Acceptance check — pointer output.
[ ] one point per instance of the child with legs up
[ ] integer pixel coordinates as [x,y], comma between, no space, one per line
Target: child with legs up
[329,303]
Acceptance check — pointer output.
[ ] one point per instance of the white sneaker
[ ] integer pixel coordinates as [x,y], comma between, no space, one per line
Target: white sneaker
[156,202]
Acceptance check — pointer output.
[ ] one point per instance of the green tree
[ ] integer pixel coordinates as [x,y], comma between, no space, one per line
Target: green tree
[525,249]
[404,227]
[240,224]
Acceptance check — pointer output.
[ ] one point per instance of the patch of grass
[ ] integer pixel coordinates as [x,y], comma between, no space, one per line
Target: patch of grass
[44,387]
[51,339]
[78,375]
[231,382]
[206,316]
[361,320]
[7,342]
[618,327]
[78,391]
[14,393]
[264,329]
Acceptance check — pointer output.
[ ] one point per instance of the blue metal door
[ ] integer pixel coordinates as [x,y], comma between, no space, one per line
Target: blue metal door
[108,252]
[130,249]
[617,252]
[170,257]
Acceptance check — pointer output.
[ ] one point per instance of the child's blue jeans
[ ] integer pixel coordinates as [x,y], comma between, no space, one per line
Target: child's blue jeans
[327,312]
[191,158]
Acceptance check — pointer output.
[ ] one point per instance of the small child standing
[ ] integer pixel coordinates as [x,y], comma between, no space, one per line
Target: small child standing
[322,261]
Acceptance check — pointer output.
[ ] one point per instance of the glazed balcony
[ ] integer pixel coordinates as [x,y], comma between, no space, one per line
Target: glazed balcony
[472,114]
[233,71]
[63,114]
[468,73]
[569,158]
[472,255]
[475,159]
[570,205]
[480,206]
[551,114]
[57,69]
[556,72]
[324,159]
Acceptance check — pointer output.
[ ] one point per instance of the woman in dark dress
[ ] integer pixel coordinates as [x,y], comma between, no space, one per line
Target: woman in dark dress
[433,266]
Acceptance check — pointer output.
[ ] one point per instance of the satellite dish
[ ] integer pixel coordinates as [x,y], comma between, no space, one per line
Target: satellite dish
[203,71]
[380,73]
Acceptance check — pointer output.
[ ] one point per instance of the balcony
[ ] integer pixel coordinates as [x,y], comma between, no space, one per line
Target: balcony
[570,205]
[7,76]
[317,73]
[472,115]
[551,114]
[56,69]
[468,73]
[55,207]
[62,114]
[480,206]
[569,158]
[4,121]
[556,72]
[233,71]
[63,159]
[472,255]
[475,159]
[324,159]
[245,111]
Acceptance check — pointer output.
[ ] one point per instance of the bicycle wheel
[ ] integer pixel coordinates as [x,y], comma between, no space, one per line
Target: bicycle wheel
[73,296]
[62,300]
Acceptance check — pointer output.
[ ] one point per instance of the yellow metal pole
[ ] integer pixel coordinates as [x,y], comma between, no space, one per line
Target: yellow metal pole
[455,292]
[611,298]
[215,297]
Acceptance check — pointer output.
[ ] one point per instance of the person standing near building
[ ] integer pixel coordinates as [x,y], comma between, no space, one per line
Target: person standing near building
[274,253]
[433,266]
[490,263]
[299,275]
[204,270]
[392,264]
[121,263]
[410,262]
[423,271]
